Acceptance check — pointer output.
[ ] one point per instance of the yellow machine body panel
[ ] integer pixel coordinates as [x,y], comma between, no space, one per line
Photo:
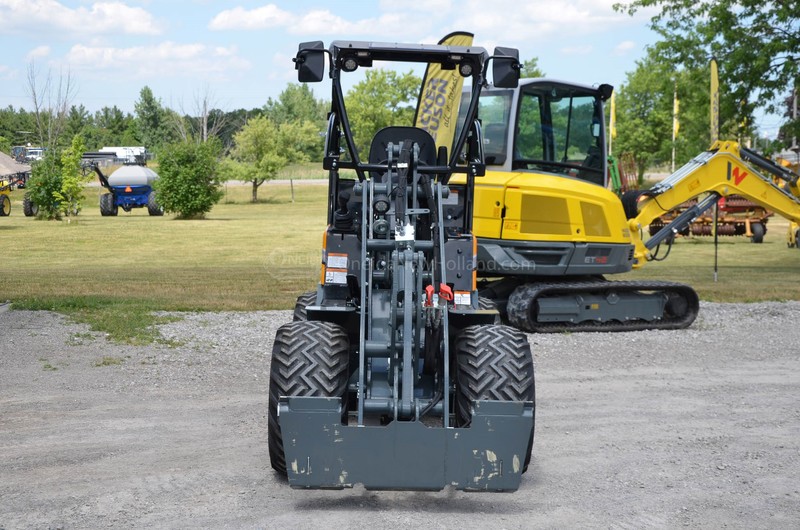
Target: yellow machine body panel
[533,206]
[542,207]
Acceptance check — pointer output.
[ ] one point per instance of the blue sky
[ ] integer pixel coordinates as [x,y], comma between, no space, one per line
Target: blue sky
[239,53]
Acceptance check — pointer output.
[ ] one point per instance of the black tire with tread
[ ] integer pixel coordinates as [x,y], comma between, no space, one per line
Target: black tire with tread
[758,231]
[303,301]
[5,205]
[493,362]
[107,206]
[153,208]
[487,303]
[518,309]
[309,358]
[29,208]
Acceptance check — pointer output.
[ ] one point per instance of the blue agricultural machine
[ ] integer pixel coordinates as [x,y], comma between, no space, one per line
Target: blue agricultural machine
[130,186]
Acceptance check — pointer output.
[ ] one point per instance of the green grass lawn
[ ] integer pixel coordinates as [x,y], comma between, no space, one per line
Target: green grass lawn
[261,256]
[242,257]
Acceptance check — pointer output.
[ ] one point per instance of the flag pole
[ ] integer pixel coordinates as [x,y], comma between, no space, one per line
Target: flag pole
[714,137]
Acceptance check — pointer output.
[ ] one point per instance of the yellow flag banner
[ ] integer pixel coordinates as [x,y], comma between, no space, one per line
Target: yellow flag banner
[714,101]
[676,124]
[440,96]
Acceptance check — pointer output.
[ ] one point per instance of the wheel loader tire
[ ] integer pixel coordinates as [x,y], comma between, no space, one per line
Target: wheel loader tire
[309,358]
[519,312]
[107,206]
[488,303]
[493,362]
[758,231]
[153,208]
[5,205]
[29,208]
[303,301]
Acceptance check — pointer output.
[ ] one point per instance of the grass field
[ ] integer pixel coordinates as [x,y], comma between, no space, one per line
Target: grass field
[261,256]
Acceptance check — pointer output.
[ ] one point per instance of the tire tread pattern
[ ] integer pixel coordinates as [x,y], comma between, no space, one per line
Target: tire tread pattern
[303,301]
[309,358]
[493,362]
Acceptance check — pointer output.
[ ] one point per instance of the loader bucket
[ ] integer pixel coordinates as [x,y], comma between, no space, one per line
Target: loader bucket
[321,452]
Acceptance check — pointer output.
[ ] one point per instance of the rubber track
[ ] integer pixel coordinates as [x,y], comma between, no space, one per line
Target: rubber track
[309,358]
[519,317]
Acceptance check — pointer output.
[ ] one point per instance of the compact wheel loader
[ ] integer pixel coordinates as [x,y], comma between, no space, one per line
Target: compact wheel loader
[392,375]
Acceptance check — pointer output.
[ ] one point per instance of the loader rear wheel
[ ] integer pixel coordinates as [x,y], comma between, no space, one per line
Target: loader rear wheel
[493,362]
[107,206]
[488,303]
[5,205]
[309,358]
[521,309]
[29,208]
[758,231]
[303,301]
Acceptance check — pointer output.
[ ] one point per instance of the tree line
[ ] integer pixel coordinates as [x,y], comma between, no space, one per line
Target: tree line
[757,46]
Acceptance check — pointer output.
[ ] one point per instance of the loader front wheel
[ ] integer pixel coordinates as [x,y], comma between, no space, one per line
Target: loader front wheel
[5,205]
[303,301]
[493,362]
[309,358]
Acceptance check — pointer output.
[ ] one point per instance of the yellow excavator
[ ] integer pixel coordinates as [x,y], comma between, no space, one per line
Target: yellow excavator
[549,231]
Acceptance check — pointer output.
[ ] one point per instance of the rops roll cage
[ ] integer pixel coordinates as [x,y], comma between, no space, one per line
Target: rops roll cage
[471,61]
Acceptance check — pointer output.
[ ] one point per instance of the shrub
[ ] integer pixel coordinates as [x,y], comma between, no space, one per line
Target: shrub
[44,183]
[56,183]
[188,183]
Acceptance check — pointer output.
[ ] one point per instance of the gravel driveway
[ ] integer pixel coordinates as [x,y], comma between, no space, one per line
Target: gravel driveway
[697,428]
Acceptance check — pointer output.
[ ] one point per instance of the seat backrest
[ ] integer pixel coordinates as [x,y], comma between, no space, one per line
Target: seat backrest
[396,135]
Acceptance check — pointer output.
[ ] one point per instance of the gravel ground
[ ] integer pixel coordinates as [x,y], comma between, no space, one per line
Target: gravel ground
[697,428]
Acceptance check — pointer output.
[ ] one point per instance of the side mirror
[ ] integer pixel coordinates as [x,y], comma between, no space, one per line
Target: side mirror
[505,67]
[310,62]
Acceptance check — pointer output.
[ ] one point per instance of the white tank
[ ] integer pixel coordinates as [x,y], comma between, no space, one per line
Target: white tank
[133,176]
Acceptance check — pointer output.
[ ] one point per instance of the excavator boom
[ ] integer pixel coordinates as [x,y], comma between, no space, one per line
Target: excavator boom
[725,169]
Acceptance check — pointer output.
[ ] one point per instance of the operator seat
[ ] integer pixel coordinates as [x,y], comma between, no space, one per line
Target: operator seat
[396,135]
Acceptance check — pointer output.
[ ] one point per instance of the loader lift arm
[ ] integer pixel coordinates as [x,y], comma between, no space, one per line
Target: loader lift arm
[725,169]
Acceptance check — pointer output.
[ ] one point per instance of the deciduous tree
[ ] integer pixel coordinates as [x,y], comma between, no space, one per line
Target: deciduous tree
[756,42]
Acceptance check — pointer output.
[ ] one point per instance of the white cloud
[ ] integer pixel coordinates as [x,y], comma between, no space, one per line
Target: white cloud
[624,47]
[316,22]
[540,20]
[38,52]
[165,59]
[22,16]
[268,16]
